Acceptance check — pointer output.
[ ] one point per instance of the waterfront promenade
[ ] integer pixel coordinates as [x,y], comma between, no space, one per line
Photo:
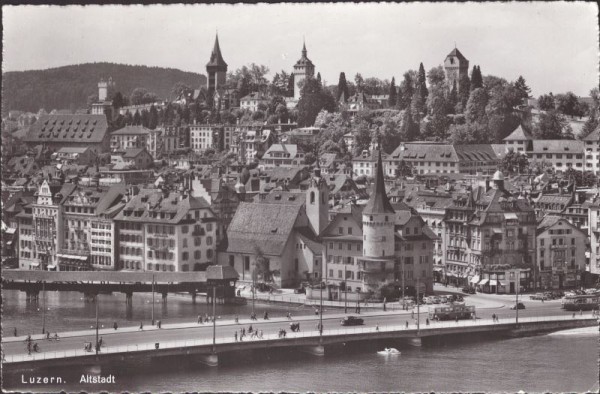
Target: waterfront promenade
[122,345]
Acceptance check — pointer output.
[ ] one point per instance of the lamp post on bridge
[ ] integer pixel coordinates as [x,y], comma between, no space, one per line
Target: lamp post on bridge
[152,299]
[214,348]
[44,308]
[97,343]
[517,297]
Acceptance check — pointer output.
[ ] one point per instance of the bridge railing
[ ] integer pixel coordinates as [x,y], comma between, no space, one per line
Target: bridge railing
[313,333]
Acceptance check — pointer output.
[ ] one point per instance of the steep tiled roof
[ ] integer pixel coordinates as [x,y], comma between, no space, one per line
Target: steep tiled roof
[132,153]
[267,226]
[518,134]
[444,152]
[68,128]
[378,202]
[132,130]
[456,52]
[216,59]
[594,135]
[557,146]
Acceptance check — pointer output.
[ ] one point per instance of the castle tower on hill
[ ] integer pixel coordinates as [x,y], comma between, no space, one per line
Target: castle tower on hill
[317,202]
[456,66]
[378,219]
[303,69]
[216,69]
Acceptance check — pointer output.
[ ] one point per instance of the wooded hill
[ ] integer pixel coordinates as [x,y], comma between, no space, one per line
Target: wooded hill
[69,87]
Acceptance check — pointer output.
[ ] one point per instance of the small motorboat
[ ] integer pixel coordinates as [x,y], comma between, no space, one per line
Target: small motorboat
[388,351]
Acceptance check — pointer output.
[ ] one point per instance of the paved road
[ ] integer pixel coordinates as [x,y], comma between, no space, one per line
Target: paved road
[227,328]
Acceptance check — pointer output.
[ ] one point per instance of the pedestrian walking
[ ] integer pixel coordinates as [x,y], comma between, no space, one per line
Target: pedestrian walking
[47,334]
[412,314]
[456,319]
[141,326]
[494,317]
[159,324]
[199,319]
[236,319]
[115,326]
[15,331]
[407,324]
[260,335]
[235,336]
[377,327]
[427,321]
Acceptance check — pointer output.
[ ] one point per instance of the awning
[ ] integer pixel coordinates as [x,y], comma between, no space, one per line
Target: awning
[9,243]
[501,283]
[493,282]
[35,264]
[73,257]
[10,230]
[475,279]
[51,266]
[510,216]
[483,282]
[449,274]
[438,269]
[497,231]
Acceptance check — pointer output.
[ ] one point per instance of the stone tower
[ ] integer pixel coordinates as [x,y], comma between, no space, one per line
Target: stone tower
[303,69]
[456,66]
[317,202]
[378,218]
[216,69]
[105,89]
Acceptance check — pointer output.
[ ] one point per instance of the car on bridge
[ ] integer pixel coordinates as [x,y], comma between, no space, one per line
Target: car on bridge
[519,305]
[352,321]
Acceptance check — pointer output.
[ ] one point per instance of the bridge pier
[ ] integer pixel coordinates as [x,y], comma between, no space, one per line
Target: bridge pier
[129,299]
[212,360]
[164,298]
[193,297]
[32,295]
[318,350]
[415,341]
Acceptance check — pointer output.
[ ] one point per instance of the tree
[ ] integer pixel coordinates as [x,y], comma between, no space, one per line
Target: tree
[404,169]
[312,100]
[309,158]
[514,162]
[409,130]
[92,98]
[119,101]
[436,76]
[359,81]
[393,94]
[546,102]
[524,90]
[476,78]
[362,137]
[319,79]
[281,84]
[464,90]
[153,118]
[568,104]
[137,96]
[342,88]
[469,133]
[407,89]
[137,118]
[422,82]
[475,111]
[260,267]
[552,125]
[180,89]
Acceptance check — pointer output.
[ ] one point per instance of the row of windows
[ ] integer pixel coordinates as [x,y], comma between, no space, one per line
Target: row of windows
[126,250]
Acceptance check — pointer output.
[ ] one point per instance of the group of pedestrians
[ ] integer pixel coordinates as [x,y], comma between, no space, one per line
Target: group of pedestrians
[495,318]
[205,319]
[31,345]
[254,334]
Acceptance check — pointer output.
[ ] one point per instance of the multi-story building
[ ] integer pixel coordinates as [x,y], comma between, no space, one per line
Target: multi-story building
[490,239]
[133,158]
[253,101]
[161,230]
[163,141]
[365,163]
[592,151]
[82,212]
[560,154]
[202,136]
[560,253]
[27,255]
[594,234]
[439,158]
[282,155]
[74,131]
[129,137]
[81,156]
[378,246]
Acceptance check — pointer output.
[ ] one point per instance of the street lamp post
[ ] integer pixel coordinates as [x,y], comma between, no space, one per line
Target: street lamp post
[44,306]
[152,299]
[253,286]
[214,318]
[321,314]
[97,347]
[517,296]
[418,307]
[345,291]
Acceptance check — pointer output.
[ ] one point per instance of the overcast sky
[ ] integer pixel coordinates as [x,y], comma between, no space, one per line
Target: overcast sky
[554,46]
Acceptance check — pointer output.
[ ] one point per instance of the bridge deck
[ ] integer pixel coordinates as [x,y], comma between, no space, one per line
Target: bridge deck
[103,276]
[228,343]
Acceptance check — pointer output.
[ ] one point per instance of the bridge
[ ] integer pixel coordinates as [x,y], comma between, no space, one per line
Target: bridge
[92,283]
[171,342]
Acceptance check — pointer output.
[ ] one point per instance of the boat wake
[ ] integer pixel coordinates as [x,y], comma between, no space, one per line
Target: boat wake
[389,351]
[581,332]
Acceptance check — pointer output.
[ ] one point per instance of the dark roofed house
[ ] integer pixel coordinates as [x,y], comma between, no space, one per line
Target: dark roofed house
[72,130]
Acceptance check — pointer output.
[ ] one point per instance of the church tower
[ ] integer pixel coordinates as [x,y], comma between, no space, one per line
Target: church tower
[216,69]
[456,66]
[317,202]
[303,69]
[378,220]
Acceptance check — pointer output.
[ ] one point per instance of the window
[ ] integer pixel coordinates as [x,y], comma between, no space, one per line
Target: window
[185,242]
[197,255]
[209,254]
[246,263]
[184,256]
[340,230]
[184,229]
[209,240]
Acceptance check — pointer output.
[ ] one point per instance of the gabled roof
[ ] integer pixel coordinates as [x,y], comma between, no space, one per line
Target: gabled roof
[558,146]
[68,128]
[132,153]
[73,149]
[132,130]
[267,226]
[378,202]
[216,59]
[518,134]
[594,135]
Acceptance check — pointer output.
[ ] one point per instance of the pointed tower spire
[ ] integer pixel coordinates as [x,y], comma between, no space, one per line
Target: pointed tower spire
[303,47]
[216,59]
[379,201]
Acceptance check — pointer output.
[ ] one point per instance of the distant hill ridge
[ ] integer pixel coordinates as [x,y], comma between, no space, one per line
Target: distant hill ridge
[69,87]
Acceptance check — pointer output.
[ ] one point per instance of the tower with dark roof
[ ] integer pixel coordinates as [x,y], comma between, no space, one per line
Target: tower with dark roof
[216,69]
[317,201]
[456,66]
[303,69]
[378,220]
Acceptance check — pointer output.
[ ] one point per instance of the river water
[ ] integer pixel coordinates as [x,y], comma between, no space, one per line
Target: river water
[557,362]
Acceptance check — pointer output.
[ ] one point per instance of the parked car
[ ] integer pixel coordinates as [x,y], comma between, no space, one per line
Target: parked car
[428,300]
[436,300]
[519,305]
[352,321]
[468,290]
[443,299]
[538,296]
[459,298]
[300,290]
